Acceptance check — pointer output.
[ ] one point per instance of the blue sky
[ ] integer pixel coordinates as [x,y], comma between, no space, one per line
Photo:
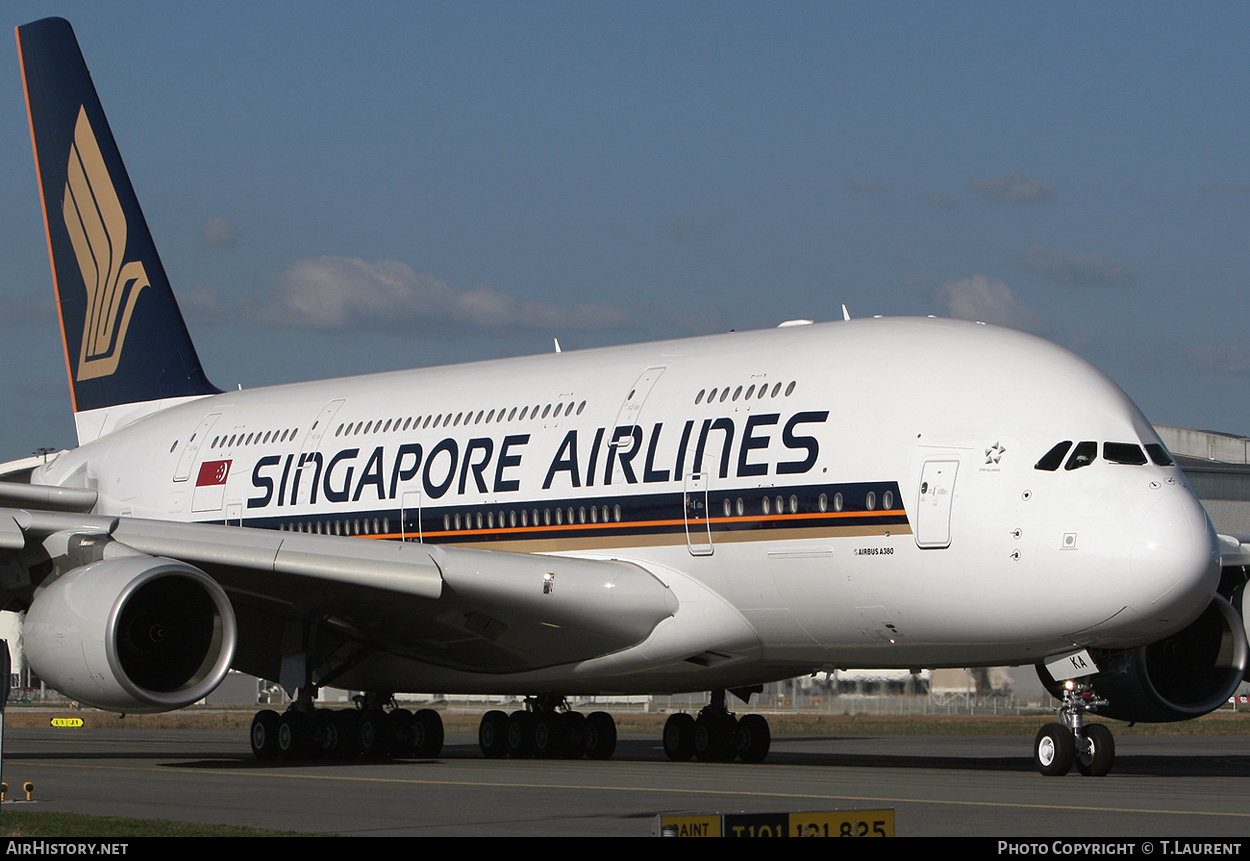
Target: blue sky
[340,188]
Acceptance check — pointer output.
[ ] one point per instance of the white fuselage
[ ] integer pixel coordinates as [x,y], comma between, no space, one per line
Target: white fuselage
[860,493]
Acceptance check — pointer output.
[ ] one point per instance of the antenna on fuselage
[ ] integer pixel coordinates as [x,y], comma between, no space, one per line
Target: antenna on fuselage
[846,315]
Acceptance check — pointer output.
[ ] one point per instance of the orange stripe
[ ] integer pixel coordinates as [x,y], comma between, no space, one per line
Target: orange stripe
[532,530]
[56,285]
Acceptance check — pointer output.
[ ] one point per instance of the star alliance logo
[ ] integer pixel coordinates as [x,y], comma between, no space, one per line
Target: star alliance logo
[993,453]
[97,228]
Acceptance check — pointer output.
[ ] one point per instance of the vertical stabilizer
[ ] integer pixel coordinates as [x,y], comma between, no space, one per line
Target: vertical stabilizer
[125,340]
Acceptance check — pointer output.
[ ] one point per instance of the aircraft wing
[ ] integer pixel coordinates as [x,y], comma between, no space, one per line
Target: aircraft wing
[478,610]
[1234,550]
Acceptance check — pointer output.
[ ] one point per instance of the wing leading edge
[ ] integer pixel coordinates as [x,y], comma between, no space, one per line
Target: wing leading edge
[340,600]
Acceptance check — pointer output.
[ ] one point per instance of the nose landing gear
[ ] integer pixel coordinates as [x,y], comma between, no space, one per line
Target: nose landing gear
[1059,746]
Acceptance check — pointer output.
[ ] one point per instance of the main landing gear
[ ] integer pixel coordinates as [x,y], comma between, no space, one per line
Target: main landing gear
[1091,747]
[547,729]
[369,730]
[716,735]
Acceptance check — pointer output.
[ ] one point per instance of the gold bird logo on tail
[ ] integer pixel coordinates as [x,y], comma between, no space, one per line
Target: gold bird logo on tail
[97,228]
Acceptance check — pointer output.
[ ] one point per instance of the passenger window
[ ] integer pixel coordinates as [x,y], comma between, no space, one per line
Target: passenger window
[1123,452]
[1083,455]
[1052,459]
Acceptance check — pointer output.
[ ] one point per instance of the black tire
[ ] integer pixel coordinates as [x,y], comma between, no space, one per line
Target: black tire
[549,736]
[427,734]
[374,734]
[264,734]
[326,734]
[1100,756]
[573,735]
[679,737]
[754,738]
[295,732]
[403,732]
[600,735]
[1054,750]
[715,738]
[520,734]
[491,734]
[347,721]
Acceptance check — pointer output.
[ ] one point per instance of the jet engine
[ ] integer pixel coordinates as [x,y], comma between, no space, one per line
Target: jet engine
[1180,677]
[131,634]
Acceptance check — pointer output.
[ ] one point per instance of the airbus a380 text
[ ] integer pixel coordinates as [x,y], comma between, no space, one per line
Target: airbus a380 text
[702,514]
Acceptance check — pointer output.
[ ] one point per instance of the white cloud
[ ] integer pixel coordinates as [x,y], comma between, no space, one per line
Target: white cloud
[1231,359]
[941,200]
[1014,186]
[220,233]
[988,300]
[347,293]
[1076,269]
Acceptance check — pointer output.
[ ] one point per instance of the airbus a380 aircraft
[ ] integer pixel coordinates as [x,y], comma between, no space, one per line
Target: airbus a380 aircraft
[701,514]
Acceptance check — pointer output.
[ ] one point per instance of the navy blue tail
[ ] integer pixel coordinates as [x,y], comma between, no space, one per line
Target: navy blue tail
[125,339]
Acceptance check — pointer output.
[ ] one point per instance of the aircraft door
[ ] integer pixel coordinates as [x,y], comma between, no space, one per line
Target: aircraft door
[410,516]
[698,523]
[627,416]
[312,440]
[933,508]
[625,446]
[191,451]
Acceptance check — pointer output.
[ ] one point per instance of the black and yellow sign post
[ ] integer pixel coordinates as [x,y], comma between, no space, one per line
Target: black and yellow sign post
[842,823]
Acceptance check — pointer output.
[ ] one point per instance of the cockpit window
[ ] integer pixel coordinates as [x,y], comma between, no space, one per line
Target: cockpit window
[1083,455]
[1158,454]
[1052,459]
[1123,452]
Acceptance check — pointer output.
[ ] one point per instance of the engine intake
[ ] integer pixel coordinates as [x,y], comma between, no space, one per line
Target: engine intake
[1180,677]
[134,634]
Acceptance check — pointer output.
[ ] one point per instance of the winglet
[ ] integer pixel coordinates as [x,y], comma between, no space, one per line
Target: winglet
[125,339]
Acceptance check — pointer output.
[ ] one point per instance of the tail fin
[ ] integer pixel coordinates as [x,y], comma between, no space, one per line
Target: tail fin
[125,340]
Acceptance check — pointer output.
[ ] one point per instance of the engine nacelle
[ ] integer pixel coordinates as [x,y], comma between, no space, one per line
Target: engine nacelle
[131,634]
[1183,676]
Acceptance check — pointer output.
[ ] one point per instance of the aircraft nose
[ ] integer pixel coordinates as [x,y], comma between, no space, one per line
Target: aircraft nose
[1175,559]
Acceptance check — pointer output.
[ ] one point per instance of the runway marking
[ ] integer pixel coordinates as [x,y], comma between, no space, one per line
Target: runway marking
[859,799]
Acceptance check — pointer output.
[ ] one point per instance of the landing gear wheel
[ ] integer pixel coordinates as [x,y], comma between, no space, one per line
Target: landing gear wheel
[295,733]
[491,734]
[715,737]
[520,734]
[549,736]
[347,722]
[375,741]
[1054,750]
[326,740]
[754,738]
[402,727]
[427,734]
[679,737]
[573,735]
[1099,756]
[265,734]
[600,735]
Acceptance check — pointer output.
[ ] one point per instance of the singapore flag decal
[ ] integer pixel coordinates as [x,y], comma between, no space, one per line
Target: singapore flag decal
[210,485]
